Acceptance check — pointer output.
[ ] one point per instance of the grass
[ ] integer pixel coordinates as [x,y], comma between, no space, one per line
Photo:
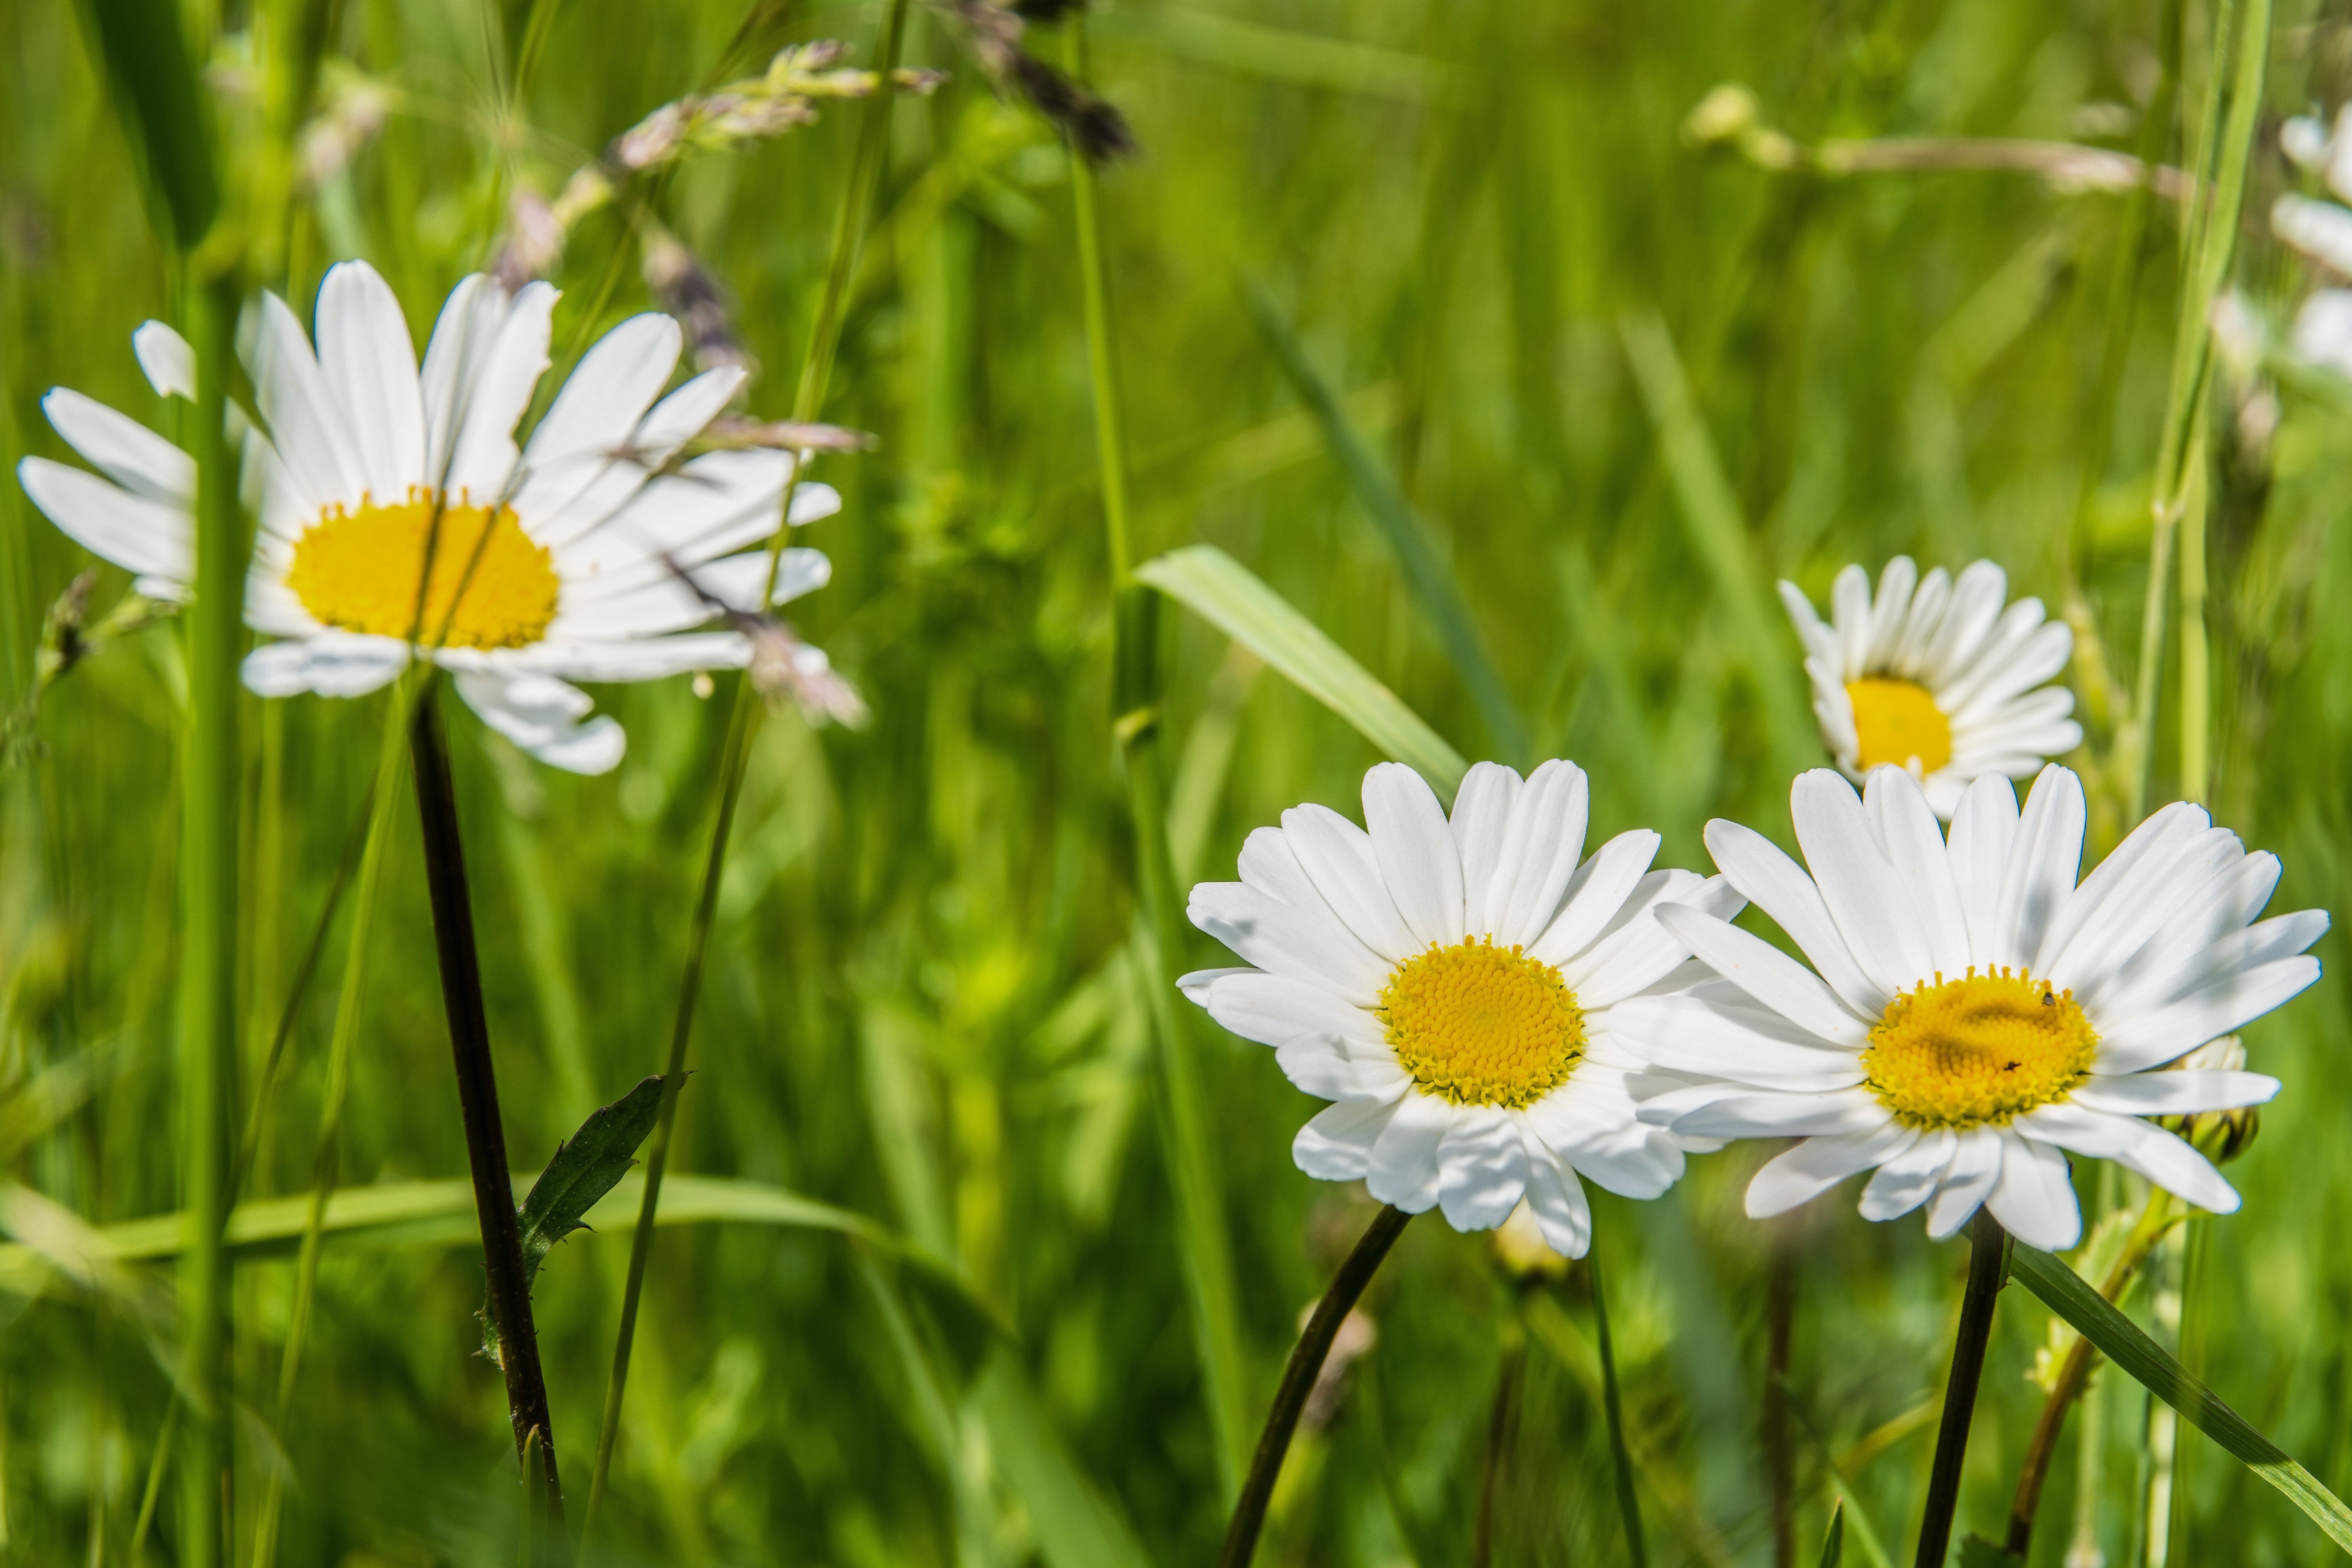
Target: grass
[1619,382]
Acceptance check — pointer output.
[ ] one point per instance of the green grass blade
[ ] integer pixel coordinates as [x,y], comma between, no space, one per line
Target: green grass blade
[1834,1547]
[1612,1404]
[2073,1298]
[1229,596]
[147,54]
[1430,581]
[1077,1525]
[1719,537]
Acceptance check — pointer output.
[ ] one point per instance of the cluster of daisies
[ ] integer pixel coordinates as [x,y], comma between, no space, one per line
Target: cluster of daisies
[1497,1016]
[399,520]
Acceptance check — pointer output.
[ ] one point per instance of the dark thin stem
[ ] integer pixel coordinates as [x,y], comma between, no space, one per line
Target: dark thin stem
[1298,1381]
[1779,1456]
[1490,1470]
[1629,1508]
[478,1095]
[1987,1270]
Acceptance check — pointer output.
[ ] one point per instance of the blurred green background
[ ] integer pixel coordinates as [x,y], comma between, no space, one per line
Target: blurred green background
[923,1003]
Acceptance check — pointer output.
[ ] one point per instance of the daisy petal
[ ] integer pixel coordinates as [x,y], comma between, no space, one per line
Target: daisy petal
[1815,1165]
[2156,1038]
[1329,1067]
[1786,1115]
[369,363]
[2141,1147]
[1337,858]
[1780,886]
[1766,974]
[2174,1093]
[1337,1144]
[1414,849]
[306,424]
[1482,812]
[1857,884]
[1556,1200]
[2035,1199]
[1984,831]
[332,664]
[1482,1165]
[110,521]
[2042,861]
[483,457]
[1301,944]
[1975,1167]
[1405,1160]
[169,363]
[1915,847]
[123,450]
[1542,844]
[542,715]
[1270,1009]
[1596,896]
[1909,1178]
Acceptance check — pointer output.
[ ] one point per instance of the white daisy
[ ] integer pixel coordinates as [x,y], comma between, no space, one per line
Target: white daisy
[2323,231]
[1938,681]
[1970,1011]
[563,548]
[1453,986]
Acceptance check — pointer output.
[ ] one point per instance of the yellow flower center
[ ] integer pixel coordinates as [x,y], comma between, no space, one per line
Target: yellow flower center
[359,571]
[1976,1051]
[1483,1024]
[1898,723]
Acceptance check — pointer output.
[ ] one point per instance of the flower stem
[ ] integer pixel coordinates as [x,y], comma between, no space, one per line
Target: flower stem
[1779,1455]
[817,371]
[1298,1381]
[1629,1508]
[477,1094]
[1988,1270]
[2075,1373]
[209,874]
[1135,723]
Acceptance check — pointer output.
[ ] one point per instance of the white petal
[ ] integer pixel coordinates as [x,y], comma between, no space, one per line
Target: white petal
[110,521]
[1640,953]
[1337,856]
[369,362]
[165,356]
[2174,1093]
[1332,1066]
[625,658]
[1558,1202]
[2034,660]
[1270,1009]
[1596,896]
[589,433]
[1337,1144]
[1872,911]
[306,424]
[1692,1034]
[1405,1160]
[542,715]
[2041,866]
[2142,906]
[1908,1179]
[1920,626]
[1915,847]
[482,461]
[1770,1115]
[1537,861]
[460,347]
[2035,1199]
[2229,1004]
[1301,943]
[1780,886]
[1978,594]
[2141,1147]
[1482,1167]
[1975,1167]
[1482,812]
[1984,831]
[2178,957]
[123,450]
[1815,1165]
[1766,974]
[1414,849]
[1850,612]
[332,664]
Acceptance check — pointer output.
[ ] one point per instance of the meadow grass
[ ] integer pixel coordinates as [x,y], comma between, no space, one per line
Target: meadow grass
[1619,381]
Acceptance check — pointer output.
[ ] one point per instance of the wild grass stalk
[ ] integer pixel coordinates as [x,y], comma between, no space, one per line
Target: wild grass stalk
[1612,1407]
[1136,723]
[808,401]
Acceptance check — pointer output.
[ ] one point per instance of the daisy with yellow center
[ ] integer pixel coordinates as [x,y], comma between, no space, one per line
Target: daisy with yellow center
[1449,982]
[1971,1013]
[1934,676]
[399,518]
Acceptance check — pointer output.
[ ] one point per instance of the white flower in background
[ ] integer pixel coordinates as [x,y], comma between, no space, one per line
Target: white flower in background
[1935,678]
[1452,986]
[2323,231]
[1970,1011]
[566,551]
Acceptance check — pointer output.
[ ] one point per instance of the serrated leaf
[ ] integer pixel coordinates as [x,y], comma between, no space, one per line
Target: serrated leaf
[587,1167]
[1229,596]
[2073,1298]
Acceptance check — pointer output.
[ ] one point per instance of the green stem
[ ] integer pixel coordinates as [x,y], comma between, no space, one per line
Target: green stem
[209,876]
[817,372]
[1298,1381]
[1987,1270]
[1498,1437]
[1629,1509]
[477,1094]
[1135,706]
[331,1113]
[2196,666]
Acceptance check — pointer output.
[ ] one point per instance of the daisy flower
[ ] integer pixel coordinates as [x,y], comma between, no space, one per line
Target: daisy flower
[1972,1013]
[1933,675]
[1452,985]
[2323,231]
[567,550]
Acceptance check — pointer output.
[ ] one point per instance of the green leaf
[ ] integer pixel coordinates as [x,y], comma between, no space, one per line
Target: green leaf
[2070,1295]
[1833,1544]
[1229,596]
[148,57]
[1077,1524]
[1430,581]
[587,1166]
